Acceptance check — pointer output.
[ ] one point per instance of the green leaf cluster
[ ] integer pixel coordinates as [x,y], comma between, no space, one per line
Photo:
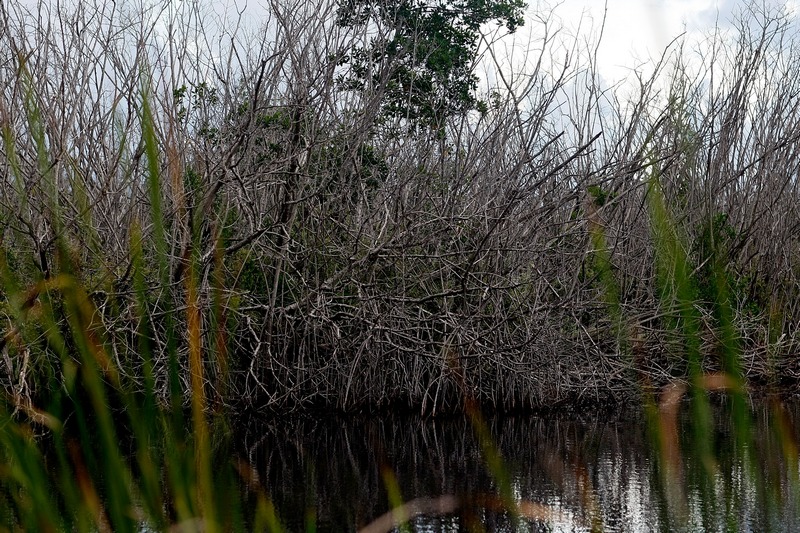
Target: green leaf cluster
[425,56]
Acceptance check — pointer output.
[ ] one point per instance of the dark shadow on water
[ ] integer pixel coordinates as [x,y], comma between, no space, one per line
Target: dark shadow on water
[602,471]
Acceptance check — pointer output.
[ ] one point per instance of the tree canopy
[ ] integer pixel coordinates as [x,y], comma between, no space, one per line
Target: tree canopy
[421,53]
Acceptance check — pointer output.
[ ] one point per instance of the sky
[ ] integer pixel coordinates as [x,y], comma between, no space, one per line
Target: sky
[636,31]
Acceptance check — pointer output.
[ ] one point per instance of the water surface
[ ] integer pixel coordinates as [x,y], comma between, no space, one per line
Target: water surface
[567,473]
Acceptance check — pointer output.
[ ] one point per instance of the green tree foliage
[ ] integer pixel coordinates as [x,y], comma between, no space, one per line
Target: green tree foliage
[421,53]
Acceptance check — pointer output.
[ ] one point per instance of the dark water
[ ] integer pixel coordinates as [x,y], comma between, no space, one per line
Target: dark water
[610,473]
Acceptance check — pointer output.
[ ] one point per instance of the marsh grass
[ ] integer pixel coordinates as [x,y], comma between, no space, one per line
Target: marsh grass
[88,481]
[279,248]
[339,261]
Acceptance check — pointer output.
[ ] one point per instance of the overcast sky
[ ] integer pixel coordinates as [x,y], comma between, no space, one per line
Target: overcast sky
[633,31]
[637,30]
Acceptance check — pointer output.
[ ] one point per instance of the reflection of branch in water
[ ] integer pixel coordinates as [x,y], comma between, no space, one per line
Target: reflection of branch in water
[668,408]
[421,506]
[334,465]
[449,504]
[669,405]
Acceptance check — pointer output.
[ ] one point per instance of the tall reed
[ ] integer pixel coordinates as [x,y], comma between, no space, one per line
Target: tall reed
[177,244]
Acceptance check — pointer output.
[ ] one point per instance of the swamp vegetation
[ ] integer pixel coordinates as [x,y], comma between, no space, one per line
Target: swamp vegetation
[340,250]
[369,206]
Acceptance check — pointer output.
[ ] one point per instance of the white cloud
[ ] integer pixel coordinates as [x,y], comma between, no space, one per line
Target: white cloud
[637,31]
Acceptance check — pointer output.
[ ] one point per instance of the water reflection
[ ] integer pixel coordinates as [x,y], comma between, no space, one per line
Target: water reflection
[566,473]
